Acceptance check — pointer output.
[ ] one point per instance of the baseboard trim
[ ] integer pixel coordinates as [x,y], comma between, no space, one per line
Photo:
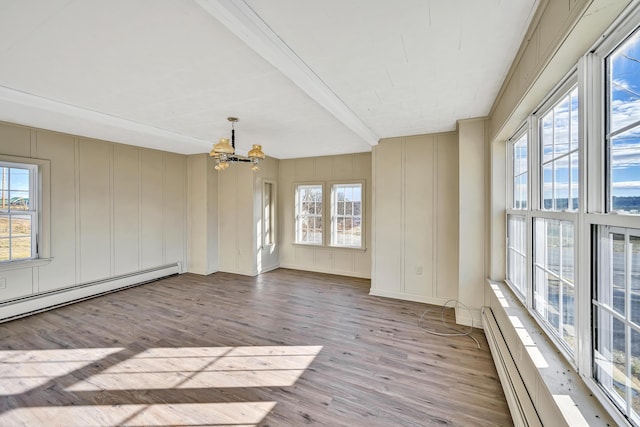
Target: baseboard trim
[36,303]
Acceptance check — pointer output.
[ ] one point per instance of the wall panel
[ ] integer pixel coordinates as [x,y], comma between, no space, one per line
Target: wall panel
[94,180]
[126,208]
[419,215]
[16,140]
[415,208]
[447,248]
[388,216]
[152,208]
[60,150]
[175,200]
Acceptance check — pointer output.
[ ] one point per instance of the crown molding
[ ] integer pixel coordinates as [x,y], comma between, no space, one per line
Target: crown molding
[31,110]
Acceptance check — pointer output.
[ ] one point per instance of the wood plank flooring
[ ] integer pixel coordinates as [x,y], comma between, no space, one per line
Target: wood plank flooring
[286,348]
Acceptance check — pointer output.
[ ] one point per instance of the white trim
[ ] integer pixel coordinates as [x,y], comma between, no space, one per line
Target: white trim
[45,113]
[36,303]
[328,271]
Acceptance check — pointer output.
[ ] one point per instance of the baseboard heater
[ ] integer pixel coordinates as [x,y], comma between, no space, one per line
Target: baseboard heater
[520,404]
[36,303]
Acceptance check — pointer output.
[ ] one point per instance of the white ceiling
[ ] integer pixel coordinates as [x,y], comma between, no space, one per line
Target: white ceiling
[306,78]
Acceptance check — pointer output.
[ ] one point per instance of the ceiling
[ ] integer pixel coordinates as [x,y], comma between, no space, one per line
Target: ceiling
[306,78]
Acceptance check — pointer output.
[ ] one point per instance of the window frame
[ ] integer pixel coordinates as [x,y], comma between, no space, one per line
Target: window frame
[598,214]
[296,218]
[556,96]
[333,213]
[32,212]
[42,184]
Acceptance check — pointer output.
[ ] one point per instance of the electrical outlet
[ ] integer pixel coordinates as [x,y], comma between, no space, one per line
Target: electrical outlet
[3,283]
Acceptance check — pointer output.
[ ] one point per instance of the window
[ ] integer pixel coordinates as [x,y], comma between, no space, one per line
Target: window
[346,215]
[559,138]
[309,213]
[616,251]
[617,318]
[269,213]
[545,165]
[623,126]
[18,211]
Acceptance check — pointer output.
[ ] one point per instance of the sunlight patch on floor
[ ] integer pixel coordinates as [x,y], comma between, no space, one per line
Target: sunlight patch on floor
[203,367]
[187,414]
[23,370]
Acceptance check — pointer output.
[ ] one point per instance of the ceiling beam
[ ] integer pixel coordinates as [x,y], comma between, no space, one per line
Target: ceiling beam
[242,21]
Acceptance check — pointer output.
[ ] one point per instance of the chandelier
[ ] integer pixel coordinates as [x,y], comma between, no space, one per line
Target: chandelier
[225,153]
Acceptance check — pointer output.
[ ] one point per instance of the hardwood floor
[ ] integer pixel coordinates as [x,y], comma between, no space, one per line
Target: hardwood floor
[286,348]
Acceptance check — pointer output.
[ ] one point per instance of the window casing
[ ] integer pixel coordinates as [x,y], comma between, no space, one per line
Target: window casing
[269,213]
[18,211]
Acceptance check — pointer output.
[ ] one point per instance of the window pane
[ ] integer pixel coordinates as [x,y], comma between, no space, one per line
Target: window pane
[634,361]
[4,227]
[561,127]
[624,86]
[609,355]
[567,254]
[574,119]
[520,168]
[574,187]
[560,143]
[624,170]
[547,137]
[516,253]
[547,189]
[562,183]
[4,249]
[521,192]
[4,188]
[553,276]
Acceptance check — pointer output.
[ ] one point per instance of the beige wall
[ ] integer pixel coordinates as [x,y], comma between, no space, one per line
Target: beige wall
[473,248]
[203,215]
[114,209]
[415,218]
[240,215]
[348,167]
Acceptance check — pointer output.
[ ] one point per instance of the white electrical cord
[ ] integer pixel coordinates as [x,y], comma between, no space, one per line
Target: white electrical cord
[455,332]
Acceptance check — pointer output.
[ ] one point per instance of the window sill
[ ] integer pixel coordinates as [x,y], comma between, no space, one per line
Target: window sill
[347,248]
[554,386]
[27,263]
